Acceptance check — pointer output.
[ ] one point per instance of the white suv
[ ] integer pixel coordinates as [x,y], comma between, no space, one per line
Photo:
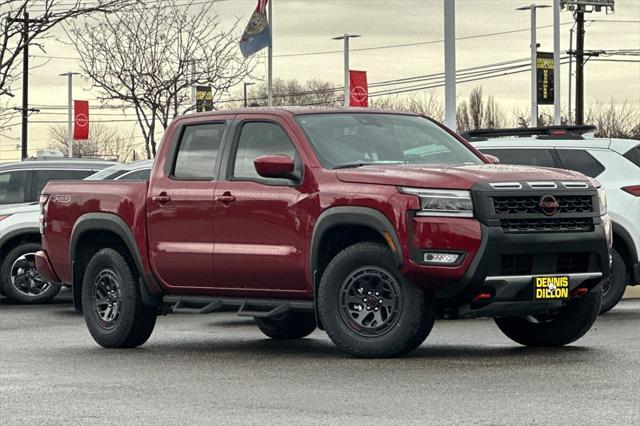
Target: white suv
[614,162]
[20,234]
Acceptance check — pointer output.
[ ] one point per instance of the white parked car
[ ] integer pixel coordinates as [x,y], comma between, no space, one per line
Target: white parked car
[20,239]
[615,163]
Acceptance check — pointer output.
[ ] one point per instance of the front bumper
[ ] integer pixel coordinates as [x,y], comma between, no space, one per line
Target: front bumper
[505,265]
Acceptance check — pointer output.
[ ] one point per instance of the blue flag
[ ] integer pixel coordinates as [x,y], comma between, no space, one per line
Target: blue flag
[257,34]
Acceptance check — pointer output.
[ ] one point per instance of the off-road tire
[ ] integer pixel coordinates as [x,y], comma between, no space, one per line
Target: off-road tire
[567,325]
[135,322]
[414,318]
[7,287]
[613,291]
[290,325]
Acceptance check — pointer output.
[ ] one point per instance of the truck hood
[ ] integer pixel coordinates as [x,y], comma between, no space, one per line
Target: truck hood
[452,177]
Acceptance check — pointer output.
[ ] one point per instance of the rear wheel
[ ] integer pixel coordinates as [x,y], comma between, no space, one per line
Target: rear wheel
[554,329]
[613,289]
[367,308]
[290,325]
[111,303]
[20,280]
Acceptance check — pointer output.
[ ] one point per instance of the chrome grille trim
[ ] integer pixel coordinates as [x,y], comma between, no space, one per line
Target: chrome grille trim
[506,185]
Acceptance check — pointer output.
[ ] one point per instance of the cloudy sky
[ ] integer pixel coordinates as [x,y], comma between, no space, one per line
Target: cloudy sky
[307,26]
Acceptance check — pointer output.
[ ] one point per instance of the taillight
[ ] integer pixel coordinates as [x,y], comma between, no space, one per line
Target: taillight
[633,190]
[43,207]
[2,217]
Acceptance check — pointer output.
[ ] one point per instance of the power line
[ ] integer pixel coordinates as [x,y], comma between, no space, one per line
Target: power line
[364,49]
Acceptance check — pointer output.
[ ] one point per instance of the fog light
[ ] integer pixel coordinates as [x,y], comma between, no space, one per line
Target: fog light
[441,258]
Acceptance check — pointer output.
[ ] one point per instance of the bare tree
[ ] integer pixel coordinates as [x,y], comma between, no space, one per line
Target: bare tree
[293,92]
[45,14]
[149,56]
[615,120]
[427,104]
[104,142]
[479,113]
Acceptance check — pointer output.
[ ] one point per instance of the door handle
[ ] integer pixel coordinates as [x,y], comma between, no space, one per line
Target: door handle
[225,198]
[162,198]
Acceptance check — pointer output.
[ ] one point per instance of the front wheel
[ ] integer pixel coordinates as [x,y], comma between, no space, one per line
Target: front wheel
[20,280]
[613,289]
[111,303]
[290,325]
[367,308]
[554,329]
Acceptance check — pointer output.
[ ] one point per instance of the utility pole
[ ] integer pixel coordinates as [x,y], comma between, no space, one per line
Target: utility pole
[534,56]
[580,65]
[450,64]
[25,77]
[245,92]
[570,72]
[346,38]
[579,8]
[69,76]
[193,85]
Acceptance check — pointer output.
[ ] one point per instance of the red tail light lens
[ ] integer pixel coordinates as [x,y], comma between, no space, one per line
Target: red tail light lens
[43,205]
[633,190]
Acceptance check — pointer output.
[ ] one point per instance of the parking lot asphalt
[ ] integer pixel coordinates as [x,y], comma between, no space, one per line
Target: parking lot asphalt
[219,369]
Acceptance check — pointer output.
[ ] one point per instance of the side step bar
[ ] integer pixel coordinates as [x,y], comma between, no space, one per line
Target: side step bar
[257,308]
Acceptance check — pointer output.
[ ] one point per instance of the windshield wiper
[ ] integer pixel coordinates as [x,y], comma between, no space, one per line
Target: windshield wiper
[352,165]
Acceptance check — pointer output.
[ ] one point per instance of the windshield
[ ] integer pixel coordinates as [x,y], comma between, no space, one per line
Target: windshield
[355,139]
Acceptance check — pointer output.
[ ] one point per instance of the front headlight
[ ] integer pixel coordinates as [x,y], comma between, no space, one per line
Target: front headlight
[602,200]
[442,202]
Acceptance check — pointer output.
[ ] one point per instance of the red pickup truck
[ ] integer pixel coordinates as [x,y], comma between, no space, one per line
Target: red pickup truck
[367,224]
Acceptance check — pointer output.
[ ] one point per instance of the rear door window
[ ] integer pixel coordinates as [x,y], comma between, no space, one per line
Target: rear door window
[198,151]
[42,177]
[13,186]
[580,161]
[525,157]
[633,155]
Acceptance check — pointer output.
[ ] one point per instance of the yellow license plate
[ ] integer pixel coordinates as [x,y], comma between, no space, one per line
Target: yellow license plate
[553,287]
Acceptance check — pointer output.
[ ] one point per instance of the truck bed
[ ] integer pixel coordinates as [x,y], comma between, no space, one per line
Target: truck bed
[69,201]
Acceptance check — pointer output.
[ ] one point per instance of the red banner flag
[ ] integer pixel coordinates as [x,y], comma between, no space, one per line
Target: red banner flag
[359,90]
[80,120]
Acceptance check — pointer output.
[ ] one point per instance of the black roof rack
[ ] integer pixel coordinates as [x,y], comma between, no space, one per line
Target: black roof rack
[549,132]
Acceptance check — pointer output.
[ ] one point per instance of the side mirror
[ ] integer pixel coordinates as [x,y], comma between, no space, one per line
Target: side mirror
[492,158]
[275,166]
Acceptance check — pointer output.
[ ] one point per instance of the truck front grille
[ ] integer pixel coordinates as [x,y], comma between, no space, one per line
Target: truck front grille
[560,263]
[547,225]
[530,204]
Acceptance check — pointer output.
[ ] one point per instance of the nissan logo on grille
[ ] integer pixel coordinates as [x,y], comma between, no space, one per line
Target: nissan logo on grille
[549,205]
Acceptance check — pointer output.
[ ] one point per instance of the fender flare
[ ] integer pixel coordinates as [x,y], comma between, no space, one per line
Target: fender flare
[111,223]
[18,232]
[350,215]
[626,238]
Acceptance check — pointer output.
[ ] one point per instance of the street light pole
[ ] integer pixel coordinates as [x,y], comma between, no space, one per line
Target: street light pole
[346,38]
[556,64]
[534,54]
[270,56]
[450,64]
[69,76]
